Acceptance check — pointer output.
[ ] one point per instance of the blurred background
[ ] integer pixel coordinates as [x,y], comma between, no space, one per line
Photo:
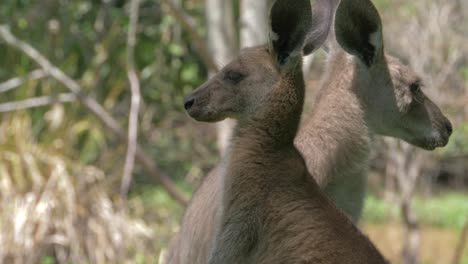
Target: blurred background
[82,80]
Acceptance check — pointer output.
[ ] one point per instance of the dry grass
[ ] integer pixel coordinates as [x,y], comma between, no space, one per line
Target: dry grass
[437,244]
[50,206]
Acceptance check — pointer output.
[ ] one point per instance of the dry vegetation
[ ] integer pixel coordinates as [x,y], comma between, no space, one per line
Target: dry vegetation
[50,206]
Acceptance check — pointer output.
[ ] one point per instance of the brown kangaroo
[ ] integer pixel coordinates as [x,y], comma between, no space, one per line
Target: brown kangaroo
[271,209]
[355,101]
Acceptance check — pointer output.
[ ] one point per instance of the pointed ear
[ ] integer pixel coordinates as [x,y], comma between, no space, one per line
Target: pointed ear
[290,22]
[322,19]
[358,30]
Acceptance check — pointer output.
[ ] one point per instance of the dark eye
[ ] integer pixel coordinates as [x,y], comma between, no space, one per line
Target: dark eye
[415,87]
[234,77]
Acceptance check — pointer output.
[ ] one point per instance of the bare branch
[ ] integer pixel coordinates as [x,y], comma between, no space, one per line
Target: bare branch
[93,106]
[18,81]
[135,99]
[36,102]
[188,23]
[404,164]
[60,76]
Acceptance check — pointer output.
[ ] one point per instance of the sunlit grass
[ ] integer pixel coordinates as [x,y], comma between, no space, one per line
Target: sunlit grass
[447,210]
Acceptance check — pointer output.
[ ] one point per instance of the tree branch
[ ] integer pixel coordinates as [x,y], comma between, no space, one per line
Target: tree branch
[93,106]
[18,81]
[135,99]
[188,23]
[57,74]
[36,102]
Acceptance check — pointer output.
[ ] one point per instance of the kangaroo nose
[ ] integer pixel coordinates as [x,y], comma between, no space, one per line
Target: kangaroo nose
[449,128]
[188,102]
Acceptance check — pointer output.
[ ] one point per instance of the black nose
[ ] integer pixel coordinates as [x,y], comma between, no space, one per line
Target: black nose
[449,128]
[188,102]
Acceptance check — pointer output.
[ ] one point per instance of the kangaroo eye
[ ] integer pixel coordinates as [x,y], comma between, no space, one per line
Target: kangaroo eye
[415,87]
[234,77]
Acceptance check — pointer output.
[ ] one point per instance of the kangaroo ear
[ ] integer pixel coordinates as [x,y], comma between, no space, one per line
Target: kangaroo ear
[290,22]
[322,19]
[358,30]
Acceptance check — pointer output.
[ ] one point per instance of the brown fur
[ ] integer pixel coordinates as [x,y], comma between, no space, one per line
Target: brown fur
[272,211]
[339,128]
[336,128]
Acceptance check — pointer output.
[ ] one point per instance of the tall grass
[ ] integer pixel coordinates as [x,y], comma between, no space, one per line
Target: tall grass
[54,208]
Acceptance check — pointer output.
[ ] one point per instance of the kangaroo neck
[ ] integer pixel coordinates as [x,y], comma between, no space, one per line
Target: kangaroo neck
[276,125]
[263,145]
[336,129]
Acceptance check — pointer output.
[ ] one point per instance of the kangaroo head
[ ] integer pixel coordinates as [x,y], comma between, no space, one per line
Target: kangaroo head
[252,84]
[237,89]
[390,92]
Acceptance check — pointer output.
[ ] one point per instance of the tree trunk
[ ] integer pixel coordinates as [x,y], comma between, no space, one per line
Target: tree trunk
[254,22]
[405,163]
[411,244]
[253,32]
[222,44]
[390,192]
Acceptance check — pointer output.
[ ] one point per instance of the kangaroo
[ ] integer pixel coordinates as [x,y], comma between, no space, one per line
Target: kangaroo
[358,98]
[364,92]
[271,209]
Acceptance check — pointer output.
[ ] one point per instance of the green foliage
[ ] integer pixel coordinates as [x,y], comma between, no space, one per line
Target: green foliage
[382,4]
[464,73]
[144,259]
[458,144]
[377,210]
[448,210]
[464,259]
[87,40]
[47,260]
[153,202]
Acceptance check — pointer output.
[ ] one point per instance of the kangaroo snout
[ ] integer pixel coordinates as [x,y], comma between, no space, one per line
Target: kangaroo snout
[446,133]
[197,103]
[439,136]
[192,106]
[202,106]
[188,102]
[448,127]
[442,126]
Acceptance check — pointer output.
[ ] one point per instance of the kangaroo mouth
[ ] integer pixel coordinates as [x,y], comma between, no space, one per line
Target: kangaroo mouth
[198,108]
[202,115]
[433,144]
[436,141]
